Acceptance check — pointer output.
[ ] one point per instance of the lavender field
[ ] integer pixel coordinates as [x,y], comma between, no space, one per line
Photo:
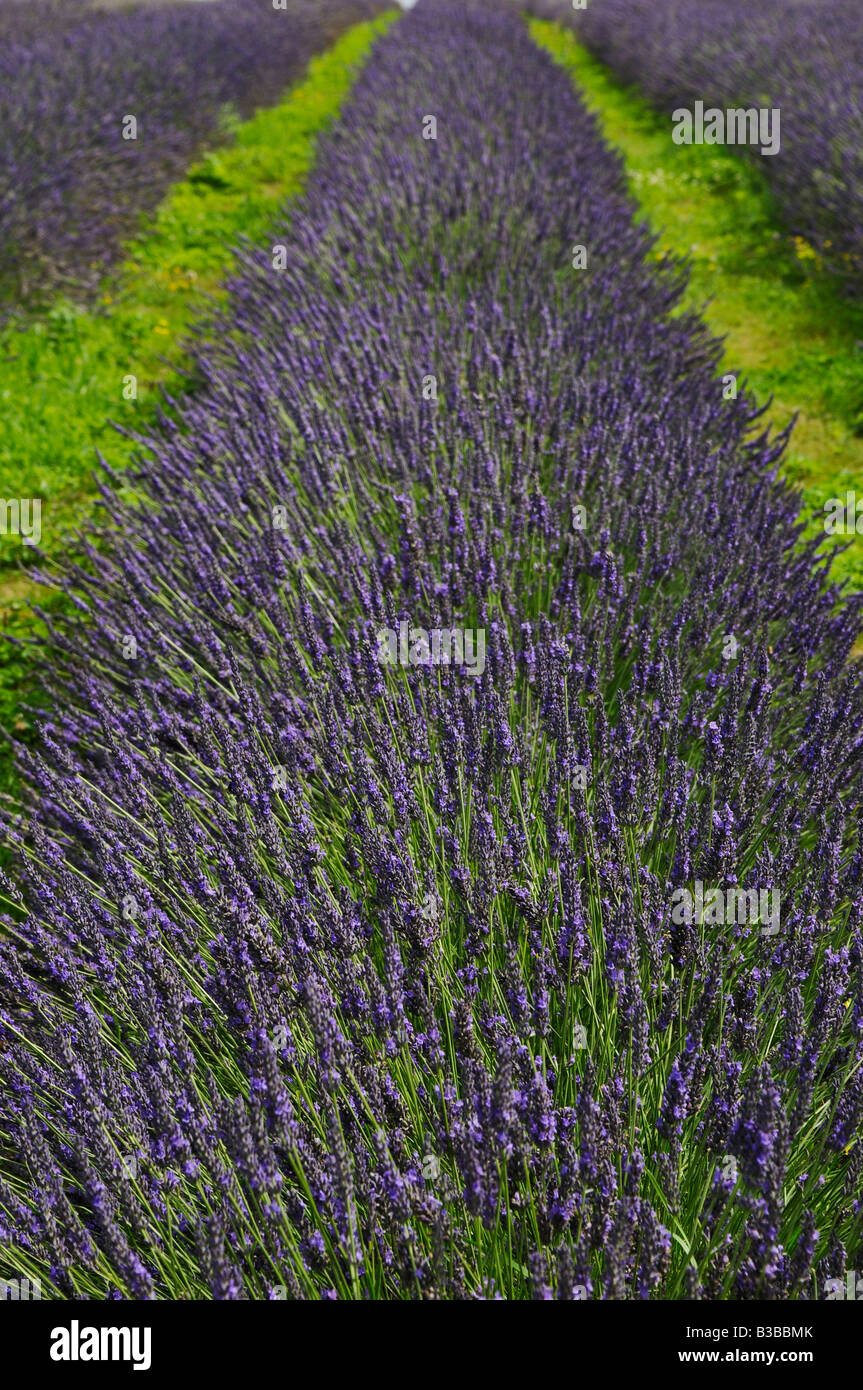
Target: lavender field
[802,57]
[76,171]
[438,874]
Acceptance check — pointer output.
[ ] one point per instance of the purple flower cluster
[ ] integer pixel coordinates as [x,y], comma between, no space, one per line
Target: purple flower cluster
[804,59]
[324,978]
[71,185]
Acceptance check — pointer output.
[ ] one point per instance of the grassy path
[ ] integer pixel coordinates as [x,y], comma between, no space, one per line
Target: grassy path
[66,378]
[787,330]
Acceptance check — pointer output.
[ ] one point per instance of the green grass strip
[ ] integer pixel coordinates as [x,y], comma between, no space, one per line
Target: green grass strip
[788,331]
[64,378]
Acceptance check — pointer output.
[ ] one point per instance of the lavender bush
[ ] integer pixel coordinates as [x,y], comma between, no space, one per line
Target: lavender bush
[805,59]
[328,977]
[71,185]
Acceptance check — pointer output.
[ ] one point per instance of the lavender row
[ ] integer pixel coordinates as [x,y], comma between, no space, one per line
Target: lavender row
[100,112]
[801,59]
[341,970]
